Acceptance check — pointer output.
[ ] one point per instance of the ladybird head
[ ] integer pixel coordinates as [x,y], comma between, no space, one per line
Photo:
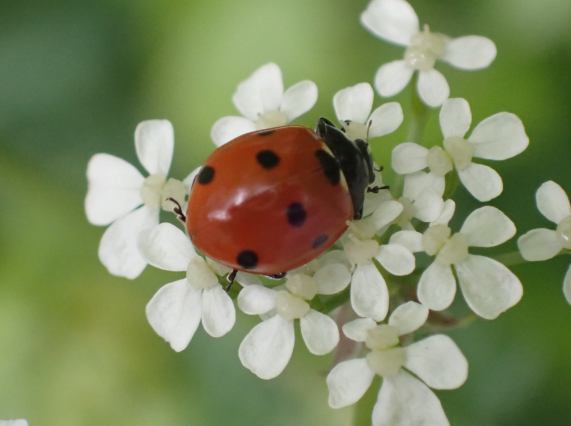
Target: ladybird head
[354,159]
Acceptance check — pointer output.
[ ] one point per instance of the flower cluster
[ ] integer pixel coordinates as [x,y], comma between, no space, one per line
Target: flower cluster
[400,261]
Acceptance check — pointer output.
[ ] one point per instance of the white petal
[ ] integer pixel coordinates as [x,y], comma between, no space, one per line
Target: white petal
[447,213]
[332,278]
[174,313]
[470,52]
[114,189]
[406,401]
[354,103]
[428,206]
[227,128]
[552,202]
[438,362]
[412,240]
[455,118]
[499,137]
[539,244]
[392,77]
[166,247]
[319,332]
[488,286]
[119,247]
[437,287]
[418,183]
[259,93]
[369,293]
[408,317]
[357,329]
[393,20]
[385,119]
[15,422]
[218,313]
[348,382]
[154,143]
[267,348]
[387,212]
[396,259]
[246,279]
[409,157]
[256,300]
[189,180]
[567,285]
[483,182]
[487,227]
[432,87]
[299,99]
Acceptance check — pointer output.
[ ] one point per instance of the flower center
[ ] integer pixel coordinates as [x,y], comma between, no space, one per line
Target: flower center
[439,162]
[425,48]
[359,252]
[302,285]
[355,130]
[290,307]
[156,190]
[199,274]
[386,362]
[454,250]
[271,119]
[460,151]
[564,232]
[434,238]
[151,190]
[382,337]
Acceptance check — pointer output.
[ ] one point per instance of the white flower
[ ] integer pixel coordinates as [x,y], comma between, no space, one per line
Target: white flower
[498,137]
[268,347]
[15,422]
[369,293]
[353,107]
[177,309]
[487,285]
[395,21]
[263,103]
[118,195]
[543,244]
[403,399]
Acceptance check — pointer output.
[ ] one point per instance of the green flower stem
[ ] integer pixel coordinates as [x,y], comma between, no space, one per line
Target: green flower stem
[326,304]
[420,115]
[452,182]
[363,412]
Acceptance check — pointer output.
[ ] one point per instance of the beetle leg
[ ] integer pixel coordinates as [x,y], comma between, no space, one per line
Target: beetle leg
[230,278]
[178,210]
[376,189]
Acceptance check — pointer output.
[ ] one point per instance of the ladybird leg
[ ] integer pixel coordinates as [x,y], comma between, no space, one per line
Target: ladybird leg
[379,169]
[376,189]
[277,276]
[230,278]
[178,210]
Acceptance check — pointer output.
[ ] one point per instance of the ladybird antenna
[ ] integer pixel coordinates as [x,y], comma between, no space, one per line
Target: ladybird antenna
[177,210]
[369,128]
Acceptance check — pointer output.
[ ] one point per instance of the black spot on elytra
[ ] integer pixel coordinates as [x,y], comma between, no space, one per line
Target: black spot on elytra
[265,132]
[330,166]
[247,259]
[296,214]
[268,159]
[319,240]
[206,175]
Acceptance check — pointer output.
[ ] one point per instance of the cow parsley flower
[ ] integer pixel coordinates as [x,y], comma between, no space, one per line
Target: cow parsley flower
[543,244]
[404,399]
[498,137]
[118,195]
[396,22]
[263,103]
[487,285]
[177,309]
[353,107]
[267,348]
[15,422]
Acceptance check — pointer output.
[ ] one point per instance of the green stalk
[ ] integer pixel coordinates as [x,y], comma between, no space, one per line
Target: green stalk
[363,412]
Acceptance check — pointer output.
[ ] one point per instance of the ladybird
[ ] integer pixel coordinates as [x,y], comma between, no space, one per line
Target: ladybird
[272,200]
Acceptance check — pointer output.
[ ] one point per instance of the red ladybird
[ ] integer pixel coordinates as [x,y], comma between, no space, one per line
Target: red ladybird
[272,200]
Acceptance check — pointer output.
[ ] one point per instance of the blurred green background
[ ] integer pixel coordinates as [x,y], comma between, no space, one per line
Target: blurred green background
[75,79]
